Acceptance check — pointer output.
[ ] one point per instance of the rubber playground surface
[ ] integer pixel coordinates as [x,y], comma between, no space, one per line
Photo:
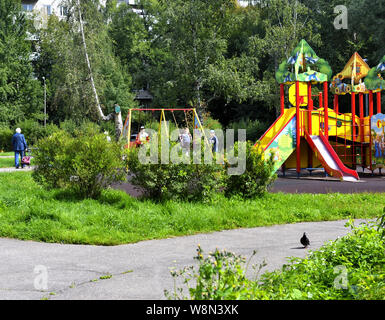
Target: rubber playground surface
[318,182]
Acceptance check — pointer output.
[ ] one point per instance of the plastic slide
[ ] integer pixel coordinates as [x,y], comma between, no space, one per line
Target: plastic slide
[329,158]
[279,139]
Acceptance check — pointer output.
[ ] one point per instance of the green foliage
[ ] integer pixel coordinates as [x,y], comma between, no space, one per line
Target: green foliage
[34,131]
[254,129]
[20,94]
[178,181]
[351,267]
[6,138]
[258,174]
[85,164]
[62,62]
[220,276]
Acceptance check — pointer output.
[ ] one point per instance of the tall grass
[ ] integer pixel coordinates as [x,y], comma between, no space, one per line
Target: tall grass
[29,212]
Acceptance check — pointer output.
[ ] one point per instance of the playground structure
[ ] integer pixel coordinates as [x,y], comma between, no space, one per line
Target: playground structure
[306,136]
[194,122]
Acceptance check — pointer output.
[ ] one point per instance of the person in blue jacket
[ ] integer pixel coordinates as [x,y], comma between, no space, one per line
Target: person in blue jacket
[19,146]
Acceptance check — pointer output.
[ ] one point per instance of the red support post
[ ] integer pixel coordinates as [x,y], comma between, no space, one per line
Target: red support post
[353,114]
[336,103]
[282,92]
[379,102]
[309,124]
[320,100]
[326,110]
[298,128]
[361,95]
[370,103]
[310,107]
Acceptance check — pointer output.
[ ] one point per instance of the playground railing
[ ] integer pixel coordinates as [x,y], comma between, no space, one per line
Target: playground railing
[350,139]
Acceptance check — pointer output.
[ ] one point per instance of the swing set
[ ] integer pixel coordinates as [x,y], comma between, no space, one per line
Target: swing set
[188,112]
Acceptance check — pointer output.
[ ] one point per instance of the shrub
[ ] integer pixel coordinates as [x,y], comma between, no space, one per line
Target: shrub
[258,174]
[84,164]
[182,181]
[6,139]
[33,131]
[220,276]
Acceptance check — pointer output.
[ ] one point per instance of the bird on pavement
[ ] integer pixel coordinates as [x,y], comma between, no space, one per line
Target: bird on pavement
[305,240]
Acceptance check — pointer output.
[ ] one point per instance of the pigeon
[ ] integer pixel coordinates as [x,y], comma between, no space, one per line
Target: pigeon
[305,240]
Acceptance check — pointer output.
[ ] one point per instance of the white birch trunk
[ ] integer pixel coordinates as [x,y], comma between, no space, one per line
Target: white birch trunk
[118,116]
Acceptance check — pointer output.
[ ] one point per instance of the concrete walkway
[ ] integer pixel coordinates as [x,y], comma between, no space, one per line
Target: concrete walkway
[26,168]
[141,270]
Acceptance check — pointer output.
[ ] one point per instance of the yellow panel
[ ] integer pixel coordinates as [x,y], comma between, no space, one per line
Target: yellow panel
[302,93]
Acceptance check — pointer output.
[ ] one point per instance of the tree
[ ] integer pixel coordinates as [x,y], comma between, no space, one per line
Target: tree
[85,78]
[20,93]
[194,32]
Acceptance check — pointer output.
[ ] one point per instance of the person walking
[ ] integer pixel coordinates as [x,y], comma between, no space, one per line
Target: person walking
[19,146]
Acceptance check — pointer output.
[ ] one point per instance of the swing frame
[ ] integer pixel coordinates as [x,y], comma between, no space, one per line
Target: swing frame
[127,123]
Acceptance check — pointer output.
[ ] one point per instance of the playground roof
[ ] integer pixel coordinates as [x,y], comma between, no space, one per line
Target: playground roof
[298,66]
[355,69]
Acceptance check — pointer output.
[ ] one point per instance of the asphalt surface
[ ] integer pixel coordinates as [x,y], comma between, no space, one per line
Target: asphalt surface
[141,270]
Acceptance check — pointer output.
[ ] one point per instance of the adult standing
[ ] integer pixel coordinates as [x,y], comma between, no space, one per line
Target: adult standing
[19,146]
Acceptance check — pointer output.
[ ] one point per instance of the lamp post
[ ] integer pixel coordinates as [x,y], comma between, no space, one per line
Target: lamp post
[45,104]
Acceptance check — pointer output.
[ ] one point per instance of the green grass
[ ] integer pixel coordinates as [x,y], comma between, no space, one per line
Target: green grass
[7,162]
[10,153]
[29,212]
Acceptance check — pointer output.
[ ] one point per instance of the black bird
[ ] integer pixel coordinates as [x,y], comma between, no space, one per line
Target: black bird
[305,240]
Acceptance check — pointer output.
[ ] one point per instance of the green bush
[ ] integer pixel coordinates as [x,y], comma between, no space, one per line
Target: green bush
[351,267]
[182,181]
[84,164]
[258,174]
[220,276]
[6,139]
[34,131]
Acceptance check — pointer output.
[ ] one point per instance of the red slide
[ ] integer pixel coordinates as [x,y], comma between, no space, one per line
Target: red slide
[329,158]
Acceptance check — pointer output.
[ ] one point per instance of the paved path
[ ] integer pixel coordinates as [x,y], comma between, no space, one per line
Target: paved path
[26,168]
[141,270]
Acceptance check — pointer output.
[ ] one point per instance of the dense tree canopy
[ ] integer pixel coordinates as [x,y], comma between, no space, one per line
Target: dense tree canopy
[212,54]
[20,93]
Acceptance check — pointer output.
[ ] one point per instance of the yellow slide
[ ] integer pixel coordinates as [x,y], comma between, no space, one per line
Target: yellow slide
[279,139]
[276,128]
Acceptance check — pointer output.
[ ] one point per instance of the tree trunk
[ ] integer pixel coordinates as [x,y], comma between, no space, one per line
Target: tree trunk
[116,116]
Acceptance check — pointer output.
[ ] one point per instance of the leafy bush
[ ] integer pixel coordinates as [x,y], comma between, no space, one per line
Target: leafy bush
[181,181]
[34,131]
[6,139]
[258,174]
[220,276]
[351,267]
[84,164]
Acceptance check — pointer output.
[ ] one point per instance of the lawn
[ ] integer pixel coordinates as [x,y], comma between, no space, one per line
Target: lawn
[7,162]
[10,153]
[29,212]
